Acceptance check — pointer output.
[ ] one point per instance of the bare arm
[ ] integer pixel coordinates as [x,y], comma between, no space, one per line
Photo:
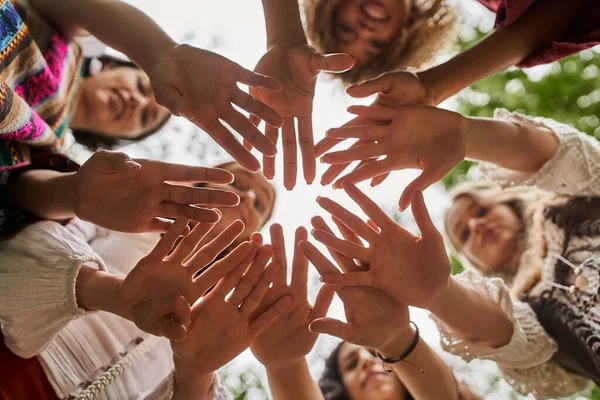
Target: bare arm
[544,21]
[293,381]
[113,22]
[47,194]
[283,22]
[520,147]
[422,358]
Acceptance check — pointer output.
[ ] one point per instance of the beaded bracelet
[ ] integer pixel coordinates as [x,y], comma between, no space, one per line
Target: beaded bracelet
[406,353]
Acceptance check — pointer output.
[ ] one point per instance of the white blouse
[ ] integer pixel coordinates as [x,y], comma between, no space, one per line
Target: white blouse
[526,361]
[39,315]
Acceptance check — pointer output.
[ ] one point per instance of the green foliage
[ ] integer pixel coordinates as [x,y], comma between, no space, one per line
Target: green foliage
[455,266]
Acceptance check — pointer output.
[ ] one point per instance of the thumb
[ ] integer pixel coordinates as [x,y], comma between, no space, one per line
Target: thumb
[333,327]
[338,62]
[381,84]
[171,98]
[421,183]
[422,217]
[109,162]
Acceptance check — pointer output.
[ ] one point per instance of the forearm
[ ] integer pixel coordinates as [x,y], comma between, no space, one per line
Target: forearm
[283,22]
[516,146]
[46,193]
[544,21]
[472,315]
[293,381]
[98,291]
[113,22]
[196,388]
[422,358]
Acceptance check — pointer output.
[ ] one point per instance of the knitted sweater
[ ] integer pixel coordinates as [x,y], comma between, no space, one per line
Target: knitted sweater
[528,361]
[39,77]
[39,315]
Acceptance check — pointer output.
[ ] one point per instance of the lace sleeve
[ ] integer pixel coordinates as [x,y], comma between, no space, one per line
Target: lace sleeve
[548,380]
[574,170]
[530,345]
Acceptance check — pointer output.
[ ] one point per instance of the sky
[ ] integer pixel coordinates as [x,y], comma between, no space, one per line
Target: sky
[235,29]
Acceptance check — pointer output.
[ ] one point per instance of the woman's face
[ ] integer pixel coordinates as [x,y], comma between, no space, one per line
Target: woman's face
[364,377]
[487,235]
[365,27]
[118,102]
[257,198]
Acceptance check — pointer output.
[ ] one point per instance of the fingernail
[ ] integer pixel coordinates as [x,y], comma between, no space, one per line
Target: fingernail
[318,198]
[321,279]
[312,232]
[322,159]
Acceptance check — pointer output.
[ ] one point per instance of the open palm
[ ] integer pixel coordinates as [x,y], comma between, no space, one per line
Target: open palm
[296,67]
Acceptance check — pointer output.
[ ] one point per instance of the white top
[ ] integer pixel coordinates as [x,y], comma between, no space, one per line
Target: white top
[526,360]
[39,315]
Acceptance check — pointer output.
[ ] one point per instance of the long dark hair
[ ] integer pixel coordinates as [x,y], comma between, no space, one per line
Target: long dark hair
[95,141]
[331,383]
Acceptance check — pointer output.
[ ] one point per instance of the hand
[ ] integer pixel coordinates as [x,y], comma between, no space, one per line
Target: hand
[413,270]
[129,195]
[157,293]
[222,328]
[421,137]
[202,86]
[394,90]
[374,319]
[289,339]
[297,68]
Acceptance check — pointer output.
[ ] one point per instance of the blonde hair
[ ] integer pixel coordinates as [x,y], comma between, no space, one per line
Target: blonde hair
[528,204]
[430,28]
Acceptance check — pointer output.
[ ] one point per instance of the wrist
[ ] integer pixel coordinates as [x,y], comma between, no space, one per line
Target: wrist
[443,298]
[433,87]
[397,346]
[97,290]
[196,387]
[286,366]
[163,48]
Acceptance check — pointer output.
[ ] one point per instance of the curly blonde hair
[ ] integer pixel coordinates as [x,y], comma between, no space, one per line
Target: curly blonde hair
[430,28]
[528,204]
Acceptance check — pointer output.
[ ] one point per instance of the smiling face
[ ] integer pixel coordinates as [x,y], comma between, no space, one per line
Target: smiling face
[488,235]
[363,375]
[257,199]
[365,27]
[118,102]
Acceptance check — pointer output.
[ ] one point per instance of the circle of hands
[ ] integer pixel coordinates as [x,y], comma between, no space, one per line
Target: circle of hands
[244,299]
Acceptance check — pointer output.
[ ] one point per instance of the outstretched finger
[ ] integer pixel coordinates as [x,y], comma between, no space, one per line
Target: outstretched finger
[254,79]
[185,195]
[422,218]
[228,142]
[257,109]
[373,112]
[255,296]
[278,242]
[422,182]
[380,84]
[290,161]
[307,148]
[346,263]
[379,179]
[334,327]
[320,262]
[325,145]
[344,247]
[366,171]
[267,318]
[252,275]
[349,219]
[299,264]
[322,302]
[188,244]
[365,132]
[355,153]
[240,265]
[249,132]
[367,205]
[272,134]
[166,243]
[207,253]
[358,278]
[331,62]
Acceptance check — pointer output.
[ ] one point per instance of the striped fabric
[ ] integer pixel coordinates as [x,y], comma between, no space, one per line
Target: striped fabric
[39,74]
